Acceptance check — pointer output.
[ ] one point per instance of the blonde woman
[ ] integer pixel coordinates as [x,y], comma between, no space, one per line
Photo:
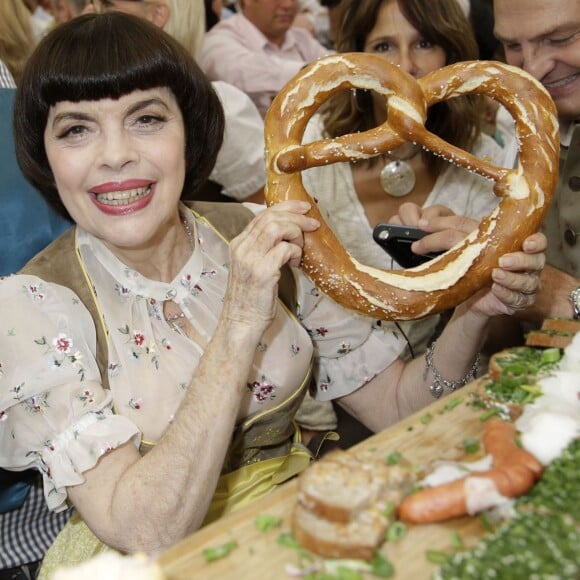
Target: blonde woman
[16,38]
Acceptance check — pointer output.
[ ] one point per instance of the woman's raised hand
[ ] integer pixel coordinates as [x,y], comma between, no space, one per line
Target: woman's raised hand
[516,280]
[275,237]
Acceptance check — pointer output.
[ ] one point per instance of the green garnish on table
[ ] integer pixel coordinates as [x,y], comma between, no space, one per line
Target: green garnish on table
[541,541]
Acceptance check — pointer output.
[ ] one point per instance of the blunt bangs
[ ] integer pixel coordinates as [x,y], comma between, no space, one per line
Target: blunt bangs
[107,56]
[97,62]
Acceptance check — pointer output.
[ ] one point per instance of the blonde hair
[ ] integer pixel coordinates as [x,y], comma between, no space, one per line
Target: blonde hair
[16,37]
[186,23]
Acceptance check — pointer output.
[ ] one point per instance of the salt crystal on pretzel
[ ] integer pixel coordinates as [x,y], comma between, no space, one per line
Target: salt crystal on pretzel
[454,276]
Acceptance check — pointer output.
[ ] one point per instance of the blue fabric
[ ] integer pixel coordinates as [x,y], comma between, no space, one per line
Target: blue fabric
[27,222]
[27,225]
[14,487]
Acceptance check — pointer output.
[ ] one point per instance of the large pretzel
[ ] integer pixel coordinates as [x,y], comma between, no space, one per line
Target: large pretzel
[455,275]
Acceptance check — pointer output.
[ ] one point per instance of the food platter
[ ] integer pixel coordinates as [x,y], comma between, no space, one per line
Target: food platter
[242,548]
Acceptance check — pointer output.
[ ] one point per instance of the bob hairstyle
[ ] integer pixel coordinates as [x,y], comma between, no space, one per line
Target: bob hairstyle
[107,56]
[443,23]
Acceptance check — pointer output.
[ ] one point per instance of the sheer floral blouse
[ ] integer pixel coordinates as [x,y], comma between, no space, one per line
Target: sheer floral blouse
[56,416]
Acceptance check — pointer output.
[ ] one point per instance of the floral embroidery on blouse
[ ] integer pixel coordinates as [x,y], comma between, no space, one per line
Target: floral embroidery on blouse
[37,403]
[344,348]
[113,369]
[294,349]
[16,392]
[62,352]
[193,287]
[155,308]
[35,292]
[136,339]
[86,397]
[122,291]
[262,390]
[320,331]
[325,384]
[135,404]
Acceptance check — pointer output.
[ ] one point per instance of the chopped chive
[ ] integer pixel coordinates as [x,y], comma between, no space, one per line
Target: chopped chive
[388,511]
[490,413]
[437,557]
[287,540]
[471,445]
[396,531]
[381,567]
[393,458]
[211,554]
[456,540]
[451,404]
[265,522]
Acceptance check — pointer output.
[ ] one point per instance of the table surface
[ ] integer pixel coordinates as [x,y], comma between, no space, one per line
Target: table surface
[258,555]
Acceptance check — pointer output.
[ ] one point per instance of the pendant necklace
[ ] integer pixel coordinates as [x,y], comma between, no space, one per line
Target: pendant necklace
[176,321]
[397,177]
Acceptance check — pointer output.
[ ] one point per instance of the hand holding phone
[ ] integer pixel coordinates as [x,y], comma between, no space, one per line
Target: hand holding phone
[396,240]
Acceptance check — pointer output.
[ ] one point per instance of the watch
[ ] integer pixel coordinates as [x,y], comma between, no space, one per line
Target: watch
[575,300]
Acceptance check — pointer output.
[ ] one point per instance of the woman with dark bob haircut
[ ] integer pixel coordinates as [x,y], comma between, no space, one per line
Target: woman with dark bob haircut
[76,67]
[148,368]
[419,36]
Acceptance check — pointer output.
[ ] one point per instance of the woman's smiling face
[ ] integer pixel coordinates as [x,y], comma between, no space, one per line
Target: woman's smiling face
[119,165]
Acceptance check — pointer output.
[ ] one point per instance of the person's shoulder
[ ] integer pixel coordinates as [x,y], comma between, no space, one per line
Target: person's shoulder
[227,27]
[305,38]
[234,99]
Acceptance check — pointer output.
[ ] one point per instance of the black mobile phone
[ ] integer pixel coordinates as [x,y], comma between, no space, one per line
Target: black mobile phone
[396,240]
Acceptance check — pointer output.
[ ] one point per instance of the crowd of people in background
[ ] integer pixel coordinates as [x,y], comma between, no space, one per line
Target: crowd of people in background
[248,50]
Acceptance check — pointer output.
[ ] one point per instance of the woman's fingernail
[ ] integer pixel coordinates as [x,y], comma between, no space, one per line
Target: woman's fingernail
[530,246]
[506,262]
[423,223]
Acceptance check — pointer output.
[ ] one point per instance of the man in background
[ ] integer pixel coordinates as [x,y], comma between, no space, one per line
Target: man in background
[64,10]
[258,50]
[543,38]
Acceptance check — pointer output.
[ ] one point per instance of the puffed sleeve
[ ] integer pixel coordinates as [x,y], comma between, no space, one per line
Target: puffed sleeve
[55,415]
[349,349]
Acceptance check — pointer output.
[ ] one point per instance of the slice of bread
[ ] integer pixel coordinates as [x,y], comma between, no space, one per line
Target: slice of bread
[343,484]
[549,338]
[359,538]
[561,325]
[343,503]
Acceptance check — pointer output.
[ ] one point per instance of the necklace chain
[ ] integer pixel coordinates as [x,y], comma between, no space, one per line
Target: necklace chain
[189,233]
[414,152]
[173,319]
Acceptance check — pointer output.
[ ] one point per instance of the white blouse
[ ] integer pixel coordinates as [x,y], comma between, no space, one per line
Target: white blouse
[55,414]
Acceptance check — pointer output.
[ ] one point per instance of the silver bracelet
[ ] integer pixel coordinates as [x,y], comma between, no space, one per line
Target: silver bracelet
[439,383]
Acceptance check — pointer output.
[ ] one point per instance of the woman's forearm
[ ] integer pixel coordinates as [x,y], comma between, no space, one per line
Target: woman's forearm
[453,358]
[147,503]
[402,389]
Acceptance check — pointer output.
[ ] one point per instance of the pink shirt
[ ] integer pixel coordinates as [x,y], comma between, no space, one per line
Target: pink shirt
[236,52]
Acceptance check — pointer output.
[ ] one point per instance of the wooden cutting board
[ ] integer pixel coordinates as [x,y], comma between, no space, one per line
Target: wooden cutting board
[258,555]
